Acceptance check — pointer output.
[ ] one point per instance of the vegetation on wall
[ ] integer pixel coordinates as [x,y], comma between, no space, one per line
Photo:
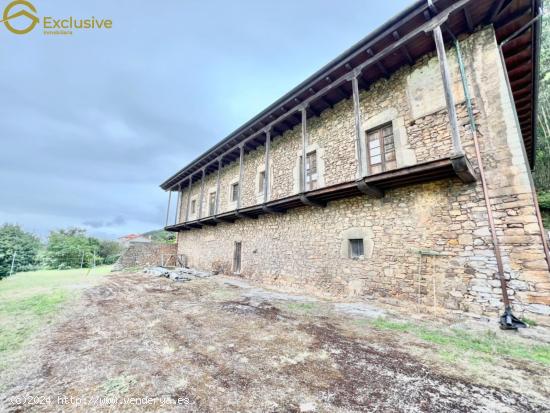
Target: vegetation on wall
[161,235]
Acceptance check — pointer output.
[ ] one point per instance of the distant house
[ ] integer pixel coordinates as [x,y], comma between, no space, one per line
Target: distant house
[126,240]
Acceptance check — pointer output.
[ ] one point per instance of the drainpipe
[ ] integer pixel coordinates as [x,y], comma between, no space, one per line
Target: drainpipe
[507,321]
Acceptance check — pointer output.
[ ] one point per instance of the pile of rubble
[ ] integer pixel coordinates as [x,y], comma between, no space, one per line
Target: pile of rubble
[177,274]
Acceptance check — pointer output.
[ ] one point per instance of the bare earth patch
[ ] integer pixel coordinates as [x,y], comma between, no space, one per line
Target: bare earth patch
[139,343]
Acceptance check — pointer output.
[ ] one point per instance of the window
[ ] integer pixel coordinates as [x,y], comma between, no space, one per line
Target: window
[311,171]
[235,192]
[380,149]
[356,248]
[193,206]
[237,257]
[212,203]
[261,182]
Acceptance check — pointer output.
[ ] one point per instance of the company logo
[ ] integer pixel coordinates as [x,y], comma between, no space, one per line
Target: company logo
[19,15]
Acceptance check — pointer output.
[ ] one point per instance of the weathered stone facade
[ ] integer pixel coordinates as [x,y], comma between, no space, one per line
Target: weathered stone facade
[303,249]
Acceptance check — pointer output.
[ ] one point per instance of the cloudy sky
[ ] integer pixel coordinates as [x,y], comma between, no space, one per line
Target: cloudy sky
[92,123]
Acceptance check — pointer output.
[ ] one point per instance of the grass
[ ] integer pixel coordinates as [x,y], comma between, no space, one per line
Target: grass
[301,307]
[29,300]
[456,342]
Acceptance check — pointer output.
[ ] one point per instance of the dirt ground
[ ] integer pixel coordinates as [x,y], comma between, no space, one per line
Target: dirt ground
[140,343]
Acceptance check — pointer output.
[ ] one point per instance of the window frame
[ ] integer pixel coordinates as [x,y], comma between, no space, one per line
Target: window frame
[212,203]
[193,207]
[382,163]
[261,182]
[351,242]
[232,192]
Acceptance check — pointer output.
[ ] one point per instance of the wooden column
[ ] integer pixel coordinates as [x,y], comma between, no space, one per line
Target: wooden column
[241,172]
[303,111]
[168,209]
[266,170]
[201,194]
[178,206]
[216,209]
[188,198]
[360,143]
[449,99]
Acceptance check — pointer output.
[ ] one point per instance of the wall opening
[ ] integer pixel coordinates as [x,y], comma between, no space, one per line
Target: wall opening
[237,257]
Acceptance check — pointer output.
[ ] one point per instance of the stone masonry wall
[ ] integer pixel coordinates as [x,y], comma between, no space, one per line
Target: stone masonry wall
[304,248]
[144,254]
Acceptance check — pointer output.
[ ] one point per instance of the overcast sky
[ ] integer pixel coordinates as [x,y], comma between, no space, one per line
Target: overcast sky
[92,123]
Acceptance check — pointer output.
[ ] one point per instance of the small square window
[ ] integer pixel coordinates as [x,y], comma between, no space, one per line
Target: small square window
[193,206]
[234,192]
[356,248]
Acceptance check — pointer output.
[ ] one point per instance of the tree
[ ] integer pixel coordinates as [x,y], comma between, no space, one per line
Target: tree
[25,246]
[109,251]
[71,248]
[542,153]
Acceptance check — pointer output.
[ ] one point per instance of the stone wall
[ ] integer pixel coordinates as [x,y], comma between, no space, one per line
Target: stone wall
[303,248]
[145,254]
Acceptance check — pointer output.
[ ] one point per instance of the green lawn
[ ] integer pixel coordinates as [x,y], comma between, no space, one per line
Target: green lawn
[29,300]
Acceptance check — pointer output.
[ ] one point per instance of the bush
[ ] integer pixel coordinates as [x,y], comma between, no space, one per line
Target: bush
[544,200]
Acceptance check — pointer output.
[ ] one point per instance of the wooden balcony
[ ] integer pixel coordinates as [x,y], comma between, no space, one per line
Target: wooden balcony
[373,185]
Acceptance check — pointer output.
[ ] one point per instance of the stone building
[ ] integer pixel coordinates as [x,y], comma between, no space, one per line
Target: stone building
[400,171]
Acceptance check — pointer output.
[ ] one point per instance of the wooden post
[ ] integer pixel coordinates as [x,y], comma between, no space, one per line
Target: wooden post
[303,111]
[216,209]
[178,206]
[201,194]
[168,209]
[266,170]
[241,161]
[188,198]
[449,99]
[359,141]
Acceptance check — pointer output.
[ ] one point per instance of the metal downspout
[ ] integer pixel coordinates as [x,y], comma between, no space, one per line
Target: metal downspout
[507,320]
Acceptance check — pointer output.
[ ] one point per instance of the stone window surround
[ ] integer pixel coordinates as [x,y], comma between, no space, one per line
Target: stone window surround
[297,171]
[404,154]
[206,201]
[365,234]
[259,169]
[194,198]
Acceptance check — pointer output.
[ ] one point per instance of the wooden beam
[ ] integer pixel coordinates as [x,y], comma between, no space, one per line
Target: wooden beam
[266,173]
[201,194]
[379,64]
[468,18]
[447,82]
[360,150]
[168,209]
[304,146]
[404,49]
[493,11]
[217,206]
[188,198]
